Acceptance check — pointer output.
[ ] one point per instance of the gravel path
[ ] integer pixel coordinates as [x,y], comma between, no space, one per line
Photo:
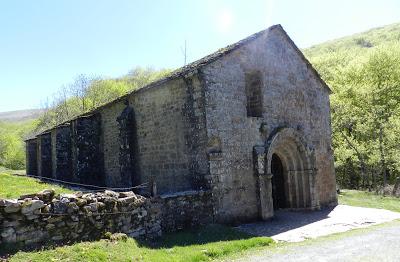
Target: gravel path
[380,244]
[298,226]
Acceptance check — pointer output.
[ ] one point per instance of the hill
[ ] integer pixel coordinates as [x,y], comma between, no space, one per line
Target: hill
[20,115]
[363,70]
[357,43]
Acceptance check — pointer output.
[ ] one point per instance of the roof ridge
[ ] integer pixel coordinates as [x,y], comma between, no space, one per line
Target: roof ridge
[305,60]
[173,75]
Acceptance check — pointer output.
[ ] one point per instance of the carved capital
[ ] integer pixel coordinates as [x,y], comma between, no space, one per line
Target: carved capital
[259,157]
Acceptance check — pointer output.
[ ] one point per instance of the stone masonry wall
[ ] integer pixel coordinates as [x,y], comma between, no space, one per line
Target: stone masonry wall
[292,97]
[43,218]
[88,165]
[168,147]
[63,151]
[186,209]
[171,136]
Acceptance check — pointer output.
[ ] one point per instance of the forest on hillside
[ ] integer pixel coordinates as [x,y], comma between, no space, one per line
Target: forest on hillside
[363,71]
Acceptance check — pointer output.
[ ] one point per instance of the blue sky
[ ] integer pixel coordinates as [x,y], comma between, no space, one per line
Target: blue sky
[45,43]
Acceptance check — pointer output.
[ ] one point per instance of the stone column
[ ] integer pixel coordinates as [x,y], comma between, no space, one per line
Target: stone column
[213,180]
[312,173]
[266,207]
[127,139]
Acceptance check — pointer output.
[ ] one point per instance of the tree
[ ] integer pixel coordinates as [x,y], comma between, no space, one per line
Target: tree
[365,114]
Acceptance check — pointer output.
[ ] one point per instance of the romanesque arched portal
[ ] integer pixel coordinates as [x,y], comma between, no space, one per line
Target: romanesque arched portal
[298,168]
[288,179]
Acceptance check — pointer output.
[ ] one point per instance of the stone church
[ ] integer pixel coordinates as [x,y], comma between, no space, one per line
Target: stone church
[240,133]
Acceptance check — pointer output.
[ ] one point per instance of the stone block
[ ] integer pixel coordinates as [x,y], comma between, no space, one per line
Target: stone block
[10,206]
[29,206]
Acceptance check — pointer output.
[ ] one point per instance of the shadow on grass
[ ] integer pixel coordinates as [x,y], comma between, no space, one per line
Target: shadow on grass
[199,236]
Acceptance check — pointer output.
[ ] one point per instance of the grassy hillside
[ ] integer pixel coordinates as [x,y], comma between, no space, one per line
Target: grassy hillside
[332,57]
[356,44]
[20,115]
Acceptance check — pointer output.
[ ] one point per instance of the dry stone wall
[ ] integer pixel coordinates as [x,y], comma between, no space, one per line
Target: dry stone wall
[39,219]
[44,218]
[186,210]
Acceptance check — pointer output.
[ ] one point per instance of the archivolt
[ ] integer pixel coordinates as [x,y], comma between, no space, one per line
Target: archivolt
[299,168]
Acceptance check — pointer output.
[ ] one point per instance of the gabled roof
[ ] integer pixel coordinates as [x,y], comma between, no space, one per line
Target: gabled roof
[196,65]
[305,60]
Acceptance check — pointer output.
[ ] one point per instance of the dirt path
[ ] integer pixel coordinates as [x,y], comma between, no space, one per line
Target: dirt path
[377,244]
[298,226]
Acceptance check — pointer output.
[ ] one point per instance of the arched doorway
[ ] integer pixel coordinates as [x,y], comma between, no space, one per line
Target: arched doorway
[278,185]
[290,164]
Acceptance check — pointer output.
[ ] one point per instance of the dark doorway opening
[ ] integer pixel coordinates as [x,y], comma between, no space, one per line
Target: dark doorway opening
[278,188]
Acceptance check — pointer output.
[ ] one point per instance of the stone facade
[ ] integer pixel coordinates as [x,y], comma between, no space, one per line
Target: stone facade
[249,125]
[292,97]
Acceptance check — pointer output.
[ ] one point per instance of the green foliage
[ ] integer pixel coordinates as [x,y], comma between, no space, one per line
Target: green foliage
[364,73]
[205,244]
[87,93]
[12,147]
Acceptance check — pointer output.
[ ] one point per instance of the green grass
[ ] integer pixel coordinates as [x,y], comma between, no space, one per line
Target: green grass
[369,199]
[209,243]
[14,186]
[212,242]
[205,244]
